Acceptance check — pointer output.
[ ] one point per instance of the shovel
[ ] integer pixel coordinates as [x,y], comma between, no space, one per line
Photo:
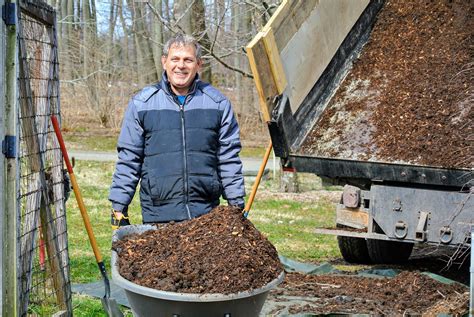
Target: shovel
[110,305]
[257,180]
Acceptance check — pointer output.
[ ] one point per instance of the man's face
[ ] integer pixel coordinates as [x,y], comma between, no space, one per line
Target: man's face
[181,66]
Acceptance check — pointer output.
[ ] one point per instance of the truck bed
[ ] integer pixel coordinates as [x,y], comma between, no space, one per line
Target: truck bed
[407,98]
[394,103]
[370,90]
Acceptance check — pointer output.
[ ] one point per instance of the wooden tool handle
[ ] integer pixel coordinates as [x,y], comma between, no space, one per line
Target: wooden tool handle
[257,180]
[77,193]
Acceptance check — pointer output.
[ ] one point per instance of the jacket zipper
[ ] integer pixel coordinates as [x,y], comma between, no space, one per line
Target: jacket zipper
[185,176]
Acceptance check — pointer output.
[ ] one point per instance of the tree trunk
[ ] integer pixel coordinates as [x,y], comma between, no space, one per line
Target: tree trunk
[146,66]
[94,16]
[126,46]
[90,62]
[69,20]
[87,39]
[157,37]
[61,13]
[200,33]
[183,15]
[237,22]
[247,84]
[111,51]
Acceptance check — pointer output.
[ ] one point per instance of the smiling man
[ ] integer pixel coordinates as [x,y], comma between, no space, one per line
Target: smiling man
[181,141]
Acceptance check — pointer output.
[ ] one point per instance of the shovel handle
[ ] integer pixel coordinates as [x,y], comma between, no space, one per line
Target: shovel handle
[77,193]
[257,180]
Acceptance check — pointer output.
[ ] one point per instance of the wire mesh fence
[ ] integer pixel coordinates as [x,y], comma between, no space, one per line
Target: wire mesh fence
[43,275]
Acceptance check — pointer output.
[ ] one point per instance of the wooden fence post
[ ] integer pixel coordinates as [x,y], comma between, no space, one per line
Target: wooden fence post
[2,137]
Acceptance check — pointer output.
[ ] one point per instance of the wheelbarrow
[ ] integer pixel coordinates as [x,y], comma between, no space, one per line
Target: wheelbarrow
[145,301]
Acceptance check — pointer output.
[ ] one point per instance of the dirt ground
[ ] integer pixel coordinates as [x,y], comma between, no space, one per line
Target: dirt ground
[408,98]
[407,293]
[410,293]
[220,252]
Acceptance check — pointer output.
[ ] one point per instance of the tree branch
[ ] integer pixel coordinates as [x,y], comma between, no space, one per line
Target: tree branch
[223,63]
[209,50]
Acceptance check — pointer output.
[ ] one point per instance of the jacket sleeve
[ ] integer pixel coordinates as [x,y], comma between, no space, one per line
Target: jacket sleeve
[130,158]
[229,163]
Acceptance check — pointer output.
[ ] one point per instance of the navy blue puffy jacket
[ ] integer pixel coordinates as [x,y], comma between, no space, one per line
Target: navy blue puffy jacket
[185,156]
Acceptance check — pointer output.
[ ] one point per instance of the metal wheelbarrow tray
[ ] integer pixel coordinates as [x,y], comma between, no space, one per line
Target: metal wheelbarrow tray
[145,301]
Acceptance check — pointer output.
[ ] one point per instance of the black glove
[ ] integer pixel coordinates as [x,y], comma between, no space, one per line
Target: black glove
[119,219]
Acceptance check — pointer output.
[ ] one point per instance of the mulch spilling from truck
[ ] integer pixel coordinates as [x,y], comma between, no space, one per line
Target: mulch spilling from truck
[220,252]
[409,96]
[407,293]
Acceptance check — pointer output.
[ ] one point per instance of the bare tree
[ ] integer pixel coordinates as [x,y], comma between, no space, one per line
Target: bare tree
[105,64]
[157,36]
[183,16]
[143,48]
[200,32]
[89,36]
[68,47]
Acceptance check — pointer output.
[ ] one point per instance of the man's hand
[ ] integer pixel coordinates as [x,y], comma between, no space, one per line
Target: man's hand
[118,219]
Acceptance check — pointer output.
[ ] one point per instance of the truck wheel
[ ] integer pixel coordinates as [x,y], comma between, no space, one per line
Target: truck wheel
[388,252]
[354,250]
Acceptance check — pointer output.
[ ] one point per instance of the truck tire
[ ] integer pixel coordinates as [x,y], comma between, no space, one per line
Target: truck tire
[354,250]
[388,252]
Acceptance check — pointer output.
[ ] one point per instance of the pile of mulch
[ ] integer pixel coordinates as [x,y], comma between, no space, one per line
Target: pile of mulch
[409,96]
[220,252]
[407,293]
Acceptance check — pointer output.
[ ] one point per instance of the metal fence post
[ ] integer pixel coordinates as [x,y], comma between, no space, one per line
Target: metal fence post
[9,215]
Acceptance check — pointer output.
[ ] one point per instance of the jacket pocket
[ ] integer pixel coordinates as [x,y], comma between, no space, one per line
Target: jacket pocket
[204,187]
[163,189]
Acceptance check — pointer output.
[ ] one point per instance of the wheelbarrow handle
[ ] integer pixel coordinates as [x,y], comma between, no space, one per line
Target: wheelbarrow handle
[257,180]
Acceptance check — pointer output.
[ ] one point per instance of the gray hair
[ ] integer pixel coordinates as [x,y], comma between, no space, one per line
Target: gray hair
[182,40]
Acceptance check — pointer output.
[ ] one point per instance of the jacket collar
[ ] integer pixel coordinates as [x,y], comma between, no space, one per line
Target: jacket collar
[165,85]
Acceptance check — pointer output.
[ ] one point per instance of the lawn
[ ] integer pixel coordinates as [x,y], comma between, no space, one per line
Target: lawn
[108,143]
[100,143]
[288,222]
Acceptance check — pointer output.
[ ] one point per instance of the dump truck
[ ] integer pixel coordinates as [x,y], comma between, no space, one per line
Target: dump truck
[375,96]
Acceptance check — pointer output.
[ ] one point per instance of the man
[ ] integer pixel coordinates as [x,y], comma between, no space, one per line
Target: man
[181,140]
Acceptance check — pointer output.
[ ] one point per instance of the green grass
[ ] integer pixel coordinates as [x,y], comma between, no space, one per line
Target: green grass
[288,224]
[290,227]
[252,151]
[90,143]
[86,306]
[94,180]
[109,144]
